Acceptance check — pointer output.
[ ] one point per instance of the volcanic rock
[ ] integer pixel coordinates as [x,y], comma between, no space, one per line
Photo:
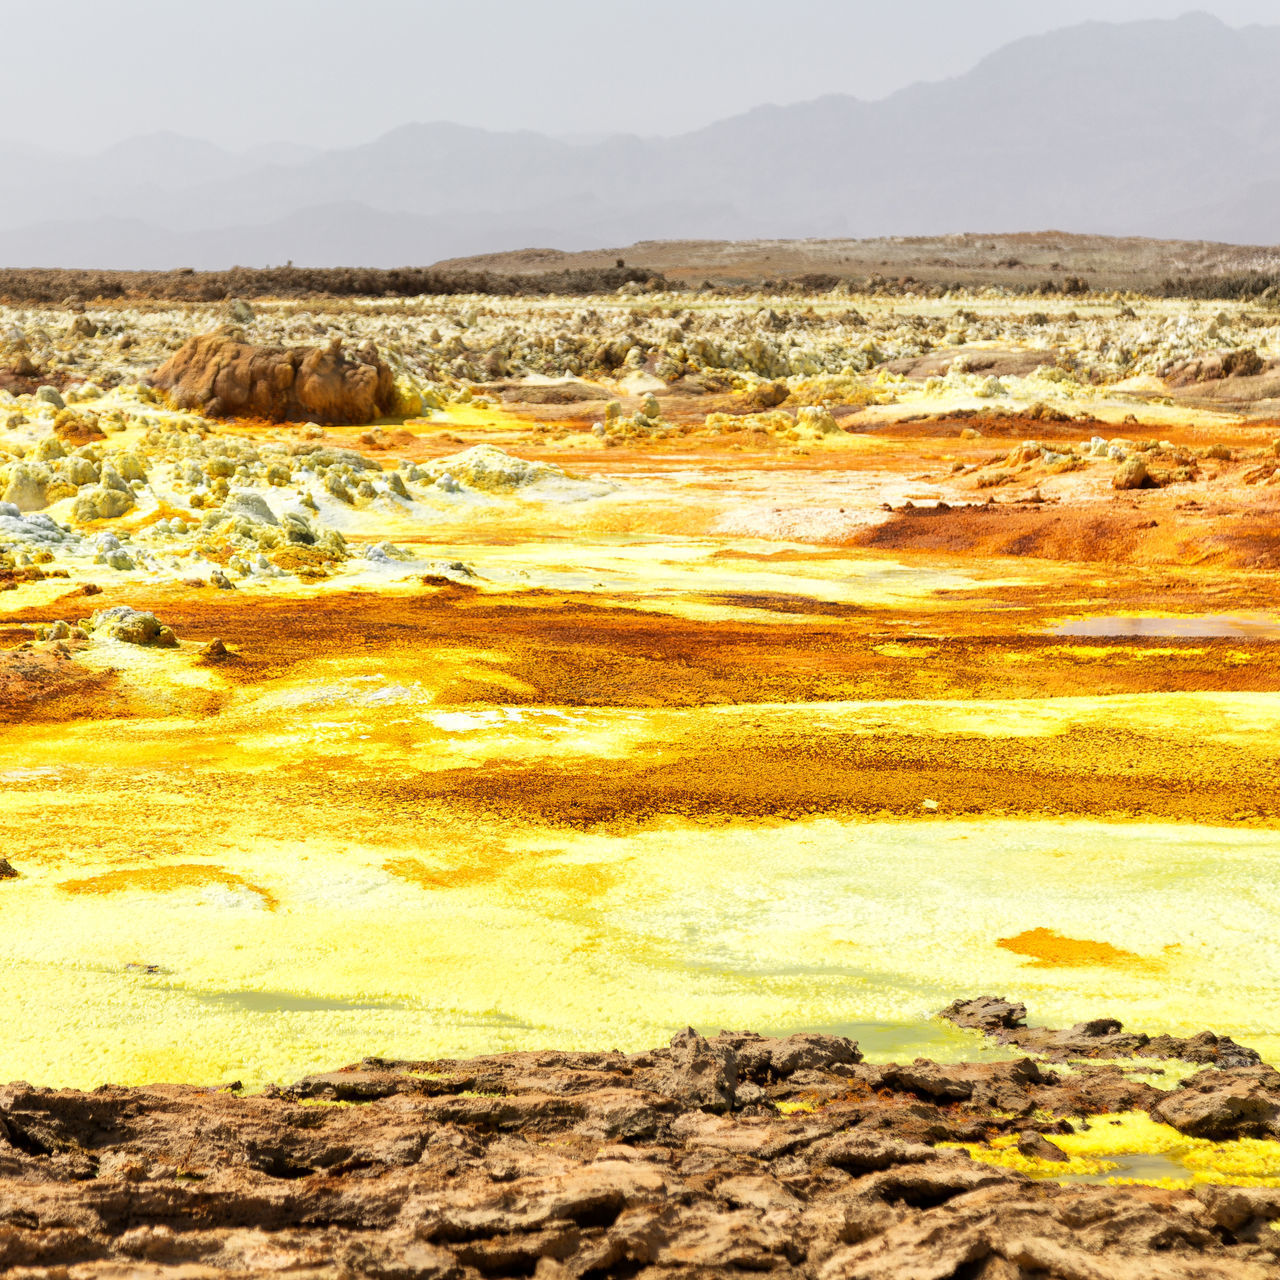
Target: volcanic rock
[568,392]
[214,652]
[989,1014]
[1098,1038]
[1243,362]
[221,376]
[34,675]
[37,530]
[252,506]
[575,1165]
[700,1074]
[486,467]
[1038,1147]
[102,503]
[1244,1102]
[27,486]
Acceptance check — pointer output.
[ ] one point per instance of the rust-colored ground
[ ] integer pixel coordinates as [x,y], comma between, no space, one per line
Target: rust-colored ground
[166,880]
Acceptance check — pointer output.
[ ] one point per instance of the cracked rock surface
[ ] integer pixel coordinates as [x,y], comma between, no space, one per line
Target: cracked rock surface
[707,1157]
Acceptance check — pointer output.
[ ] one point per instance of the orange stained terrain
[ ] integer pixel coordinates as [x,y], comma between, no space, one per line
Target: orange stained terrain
[166,880]
[1050,950]
[729,742]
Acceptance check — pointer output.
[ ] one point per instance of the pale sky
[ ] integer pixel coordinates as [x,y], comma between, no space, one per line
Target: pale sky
[85,73]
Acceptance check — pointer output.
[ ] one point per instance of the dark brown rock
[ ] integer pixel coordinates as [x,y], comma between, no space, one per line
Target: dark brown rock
[1243,362]
[1205,1047]
[1098,1038]
[763,1060]
[1036,1145]
[700,1074]
[988,1014]
[1216,1104]
[222,376]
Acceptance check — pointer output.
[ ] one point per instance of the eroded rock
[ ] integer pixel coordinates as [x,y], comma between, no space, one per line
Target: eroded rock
[1132,474]
[592,1165]
[1239,1103]
[222,376]
[106,502]
[1005,1021]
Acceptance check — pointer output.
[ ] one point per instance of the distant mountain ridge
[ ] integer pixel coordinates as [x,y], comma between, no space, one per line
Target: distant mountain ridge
[1159,128]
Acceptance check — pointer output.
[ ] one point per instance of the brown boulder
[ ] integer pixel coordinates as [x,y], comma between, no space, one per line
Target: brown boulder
[221,376]
[1244,362]
[1242,1102]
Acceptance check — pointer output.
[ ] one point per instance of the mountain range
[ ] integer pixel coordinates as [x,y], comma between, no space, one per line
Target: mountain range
[1159,128]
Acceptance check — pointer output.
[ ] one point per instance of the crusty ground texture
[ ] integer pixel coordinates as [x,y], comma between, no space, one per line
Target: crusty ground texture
[703,1158]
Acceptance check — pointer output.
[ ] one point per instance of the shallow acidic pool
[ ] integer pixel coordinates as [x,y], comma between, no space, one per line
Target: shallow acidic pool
[1259,626]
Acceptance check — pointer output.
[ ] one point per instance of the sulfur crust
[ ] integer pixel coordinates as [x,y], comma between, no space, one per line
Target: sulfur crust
[1248,1162]
[592,937]
[587,935]
[274,852]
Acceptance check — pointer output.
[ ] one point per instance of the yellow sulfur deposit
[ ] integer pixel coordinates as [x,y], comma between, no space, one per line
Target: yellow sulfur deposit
[1111,1141]
[673,660]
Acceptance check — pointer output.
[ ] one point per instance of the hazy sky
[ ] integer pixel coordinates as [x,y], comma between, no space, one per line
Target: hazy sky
[84,73]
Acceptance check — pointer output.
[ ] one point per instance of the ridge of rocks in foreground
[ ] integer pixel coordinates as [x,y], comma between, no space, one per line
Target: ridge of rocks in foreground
[707,1157]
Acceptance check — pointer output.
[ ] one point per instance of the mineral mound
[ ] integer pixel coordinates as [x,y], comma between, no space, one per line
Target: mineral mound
[221,376]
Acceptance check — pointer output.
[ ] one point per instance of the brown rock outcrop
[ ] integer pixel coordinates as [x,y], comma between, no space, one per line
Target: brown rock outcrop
[1005,1020]
[1242,1103]
[673,1163]
[222,376]
[1244,362]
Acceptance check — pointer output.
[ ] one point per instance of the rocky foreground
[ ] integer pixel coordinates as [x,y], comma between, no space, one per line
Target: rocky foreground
[706,1157]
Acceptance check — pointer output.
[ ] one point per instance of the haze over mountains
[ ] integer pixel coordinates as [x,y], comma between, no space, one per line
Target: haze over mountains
[1166,129]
